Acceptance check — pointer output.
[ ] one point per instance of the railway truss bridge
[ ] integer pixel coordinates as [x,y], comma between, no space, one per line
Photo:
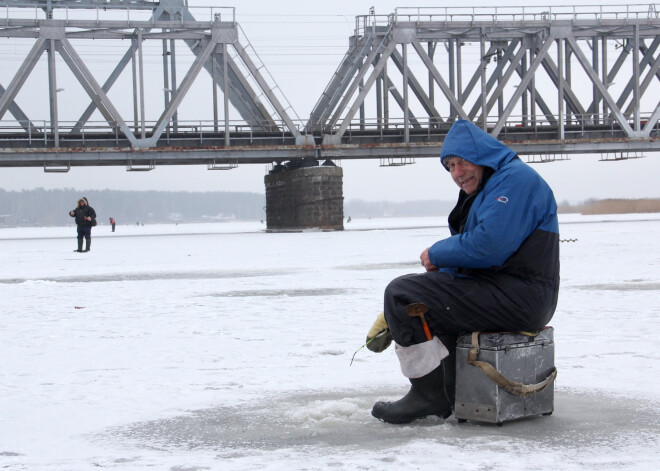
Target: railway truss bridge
[549,82]
[544,80]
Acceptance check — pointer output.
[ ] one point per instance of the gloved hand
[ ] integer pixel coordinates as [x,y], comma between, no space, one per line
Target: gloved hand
[379,336]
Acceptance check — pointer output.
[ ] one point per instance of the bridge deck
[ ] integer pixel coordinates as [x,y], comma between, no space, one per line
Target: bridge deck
[184,148]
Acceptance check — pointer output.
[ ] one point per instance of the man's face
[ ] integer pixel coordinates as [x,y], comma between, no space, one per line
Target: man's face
[466,174]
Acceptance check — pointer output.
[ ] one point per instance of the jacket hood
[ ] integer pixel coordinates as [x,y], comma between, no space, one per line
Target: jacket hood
[469,142]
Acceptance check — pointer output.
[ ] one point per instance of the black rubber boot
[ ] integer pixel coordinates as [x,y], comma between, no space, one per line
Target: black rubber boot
[88,244]
[427,396]
[80,241]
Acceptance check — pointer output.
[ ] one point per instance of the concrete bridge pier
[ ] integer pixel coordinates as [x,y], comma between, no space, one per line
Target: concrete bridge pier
[302,194]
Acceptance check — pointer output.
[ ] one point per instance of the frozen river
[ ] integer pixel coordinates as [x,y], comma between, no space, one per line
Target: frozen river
[222,347]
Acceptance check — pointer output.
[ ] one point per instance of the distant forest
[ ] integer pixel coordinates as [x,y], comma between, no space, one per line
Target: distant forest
[358,208]
[613,206]
[40,207]
[367,209]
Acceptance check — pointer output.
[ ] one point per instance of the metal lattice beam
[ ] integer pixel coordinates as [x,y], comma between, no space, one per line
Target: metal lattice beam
[540,79]
[511,39]
[170,20]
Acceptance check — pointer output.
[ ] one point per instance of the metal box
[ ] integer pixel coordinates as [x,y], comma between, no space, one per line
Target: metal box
[518,357]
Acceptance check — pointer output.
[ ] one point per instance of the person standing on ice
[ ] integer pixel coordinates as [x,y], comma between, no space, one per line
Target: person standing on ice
[85,220]
[498,271]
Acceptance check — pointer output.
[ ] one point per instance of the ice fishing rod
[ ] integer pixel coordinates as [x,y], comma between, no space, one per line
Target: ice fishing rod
[368,342]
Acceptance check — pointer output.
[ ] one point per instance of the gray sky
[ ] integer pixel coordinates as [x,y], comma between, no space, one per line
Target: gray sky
[302,43]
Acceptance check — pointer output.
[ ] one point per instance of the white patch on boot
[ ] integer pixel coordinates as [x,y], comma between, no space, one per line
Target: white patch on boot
[420,359]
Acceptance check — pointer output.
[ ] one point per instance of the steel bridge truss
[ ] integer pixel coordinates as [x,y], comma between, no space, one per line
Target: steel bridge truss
[216,44]
[541,78]
[547,81]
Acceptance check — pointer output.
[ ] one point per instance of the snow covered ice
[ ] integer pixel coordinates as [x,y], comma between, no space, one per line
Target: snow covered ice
[222,347]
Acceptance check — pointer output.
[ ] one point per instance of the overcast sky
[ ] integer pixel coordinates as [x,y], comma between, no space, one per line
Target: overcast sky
[301,44]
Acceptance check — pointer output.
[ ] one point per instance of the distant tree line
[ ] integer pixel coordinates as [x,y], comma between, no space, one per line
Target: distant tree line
[40,207]
[612,206]
[359,208]
[362,209]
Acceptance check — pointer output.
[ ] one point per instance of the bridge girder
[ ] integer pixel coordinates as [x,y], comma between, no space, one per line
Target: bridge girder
[270,154]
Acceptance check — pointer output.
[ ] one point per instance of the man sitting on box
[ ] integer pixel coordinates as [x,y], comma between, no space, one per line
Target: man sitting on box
[499,271]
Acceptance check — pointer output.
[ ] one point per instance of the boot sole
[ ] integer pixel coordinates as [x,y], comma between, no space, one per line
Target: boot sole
[406,420]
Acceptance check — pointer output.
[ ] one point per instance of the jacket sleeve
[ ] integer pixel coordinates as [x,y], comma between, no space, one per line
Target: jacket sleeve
[513,206]
[74,213]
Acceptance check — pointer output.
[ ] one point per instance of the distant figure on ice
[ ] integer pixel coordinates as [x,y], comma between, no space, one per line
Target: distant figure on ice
[85,220]
[499,271]
[112,223]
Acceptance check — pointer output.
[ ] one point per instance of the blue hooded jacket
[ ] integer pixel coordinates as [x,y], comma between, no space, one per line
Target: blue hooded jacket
[510,237]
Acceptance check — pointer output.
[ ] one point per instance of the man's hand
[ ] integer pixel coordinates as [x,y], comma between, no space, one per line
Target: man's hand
[426,261]
[379,336]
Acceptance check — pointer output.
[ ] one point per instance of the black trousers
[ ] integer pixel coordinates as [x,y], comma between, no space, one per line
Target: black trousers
[458,304]
[84,231]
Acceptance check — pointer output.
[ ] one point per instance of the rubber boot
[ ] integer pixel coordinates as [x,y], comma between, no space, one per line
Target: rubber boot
[427,396]
[80,241]
[88,244]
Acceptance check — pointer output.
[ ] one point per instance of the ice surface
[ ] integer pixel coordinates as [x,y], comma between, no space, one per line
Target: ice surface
[220,346]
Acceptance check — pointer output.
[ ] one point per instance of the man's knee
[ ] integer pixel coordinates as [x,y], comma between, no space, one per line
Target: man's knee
[394,286]
[399,287]
[396,294]
[399,293]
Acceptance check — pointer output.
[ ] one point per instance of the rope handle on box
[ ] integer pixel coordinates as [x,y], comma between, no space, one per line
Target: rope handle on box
[512,387]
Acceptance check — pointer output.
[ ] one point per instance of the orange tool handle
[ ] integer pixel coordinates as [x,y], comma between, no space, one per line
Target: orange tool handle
[427,331]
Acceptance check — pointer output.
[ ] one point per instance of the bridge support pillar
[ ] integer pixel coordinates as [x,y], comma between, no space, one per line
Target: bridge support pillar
[305,197]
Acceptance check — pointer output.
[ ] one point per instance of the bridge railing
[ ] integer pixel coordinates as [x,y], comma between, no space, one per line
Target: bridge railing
[580,127]
[211,133]
[365,23]
[525,13]
[193,132]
